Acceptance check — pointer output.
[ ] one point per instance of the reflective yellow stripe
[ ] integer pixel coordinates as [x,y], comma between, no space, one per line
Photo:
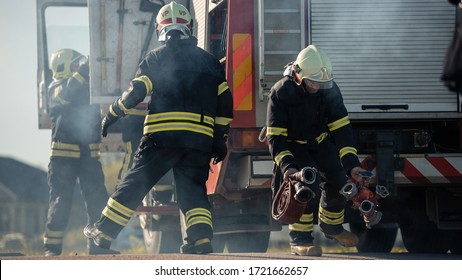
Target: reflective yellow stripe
[306,218]
[112,112]
[120,208]
[126,160]
[222,88]
[59,153]
[222,120]
[331,218]
[64,146]
[95,154]
[198,216]
[321,137]
[281,155]
[298,141]
[146,81]
[113,216]
[338,123]
[153,128]
[276,131]
[301,227]
[163,187]
[94,146]
[79,78]
[176,116]
[136,112]
[122,106]
[347,150]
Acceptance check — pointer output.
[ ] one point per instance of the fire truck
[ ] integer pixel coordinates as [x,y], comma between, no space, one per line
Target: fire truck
[387,57]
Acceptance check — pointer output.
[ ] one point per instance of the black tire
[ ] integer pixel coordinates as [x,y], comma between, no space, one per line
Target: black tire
[456,242]
[419,234]
[248,242]
[375,240]
[161,242]
[218,243]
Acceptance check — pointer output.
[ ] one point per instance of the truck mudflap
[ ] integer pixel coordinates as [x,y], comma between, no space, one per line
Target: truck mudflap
[422,169]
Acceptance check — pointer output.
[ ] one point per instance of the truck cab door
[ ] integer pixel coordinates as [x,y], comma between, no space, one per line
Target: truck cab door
[60,24]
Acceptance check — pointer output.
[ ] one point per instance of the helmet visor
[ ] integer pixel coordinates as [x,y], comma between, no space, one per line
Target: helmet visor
[321,85]
[163,33]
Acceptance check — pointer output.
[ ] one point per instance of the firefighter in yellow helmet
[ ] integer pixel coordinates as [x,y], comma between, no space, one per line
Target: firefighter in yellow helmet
[74,149]
[308,126]
[190,111]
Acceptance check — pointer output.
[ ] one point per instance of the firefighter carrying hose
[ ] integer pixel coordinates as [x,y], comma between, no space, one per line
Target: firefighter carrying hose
[74,149]
[308,125]
[189,115]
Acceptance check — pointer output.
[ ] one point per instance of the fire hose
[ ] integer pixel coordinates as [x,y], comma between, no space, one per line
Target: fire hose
[365,200]
[291,199]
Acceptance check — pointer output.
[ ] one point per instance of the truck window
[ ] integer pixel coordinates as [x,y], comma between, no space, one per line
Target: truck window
[67,27]
[60,25]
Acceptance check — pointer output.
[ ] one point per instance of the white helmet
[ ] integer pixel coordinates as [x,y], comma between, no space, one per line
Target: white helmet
[313,64]
[173,16]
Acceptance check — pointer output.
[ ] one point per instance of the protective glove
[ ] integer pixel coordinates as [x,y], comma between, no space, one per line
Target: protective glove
[219,151]
[108,120]
[355,174]
[289,171]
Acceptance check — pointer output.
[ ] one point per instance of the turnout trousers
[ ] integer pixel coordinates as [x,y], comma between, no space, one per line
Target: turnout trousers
[151,163]
[63,173]
[325,159]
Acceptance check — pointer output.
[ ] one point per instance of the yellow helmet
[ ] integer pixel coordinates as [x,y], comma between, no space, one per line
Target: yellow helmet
[313,64]
[173,16]
[64,63]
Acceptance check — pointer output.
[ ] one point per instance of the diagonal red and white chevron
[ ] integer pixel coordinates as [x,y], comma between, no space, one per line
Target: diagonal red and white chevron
[429,170]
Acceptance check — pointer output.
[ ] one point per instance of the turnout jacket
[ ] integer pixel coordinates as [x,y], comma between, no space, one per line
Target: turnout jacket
[190,103]
[296,116]
[75,124]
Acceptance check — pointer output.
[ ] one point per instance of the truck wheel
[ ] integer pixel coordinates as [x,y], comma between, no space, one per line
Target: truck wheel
[456,242]
[248,242]
[160,242]
[419,234]
[375,240]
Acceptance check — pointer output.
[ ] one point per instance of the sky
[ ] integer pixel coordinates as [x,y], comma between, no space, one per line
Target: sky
[20,138]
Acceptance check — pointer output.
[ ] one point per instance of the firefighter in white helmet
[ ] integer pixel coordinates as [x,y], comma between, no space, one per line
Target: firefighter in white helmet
[74,149]
[190,111]
[308,126]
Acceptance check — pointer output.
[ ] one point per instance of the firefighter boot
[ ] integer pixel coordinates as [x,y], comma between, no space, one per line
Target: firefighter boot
[345,238]
[306,250]
[99,238]
[201,246]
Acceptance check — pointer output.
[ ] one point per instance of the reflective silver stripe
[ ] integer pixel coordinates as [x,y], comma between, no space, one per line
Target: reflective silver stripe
[277,131]
[222,88]
[338,123]
[222,120]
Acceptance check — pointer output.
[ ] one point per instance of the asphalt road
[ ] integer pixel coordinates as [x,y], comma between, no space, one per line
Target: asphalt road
[243,256]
